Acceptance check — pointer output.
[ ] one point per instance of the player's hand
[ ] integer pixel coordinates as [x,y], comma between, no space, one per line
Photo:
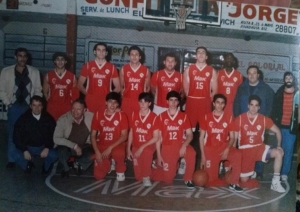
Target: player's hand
[44,153]
[98,157]
[138,153]
[280,150]
[78,150]
[182,150]
[224,154]
[160,161]
[27,155]
[129,155]
[106,152]
[203,162]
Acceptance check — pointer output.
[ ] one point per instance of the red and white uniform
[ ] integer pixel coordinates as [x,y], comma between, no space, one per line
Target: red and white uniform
[134,84]
[228,85]
[99,82]
[172,131]
[61,93]
[251,140]
[216,140]
[198,101]
[165,83]
[142,131]
[110,128]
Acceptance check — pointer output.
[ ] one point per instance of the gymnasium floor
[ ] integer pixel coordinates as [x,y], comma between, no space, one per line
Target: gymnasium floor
[21,192]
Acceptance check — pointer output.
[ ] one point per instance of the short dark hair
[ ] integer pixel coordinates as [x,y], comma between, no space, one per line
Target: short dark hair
[80,101]
[114,96]
[202,47]
[253,66]
[173,94]
[170,54]
[146,96]
[21,50]
[135,48]
[100,44]
[227,54]
[37,99]
[288,73]
[254,97]
[59,54]
[221,96]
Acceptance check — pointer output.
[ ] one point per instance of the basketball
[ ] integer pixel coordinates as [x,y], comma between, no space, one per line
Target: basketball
[228,177]
[200,177]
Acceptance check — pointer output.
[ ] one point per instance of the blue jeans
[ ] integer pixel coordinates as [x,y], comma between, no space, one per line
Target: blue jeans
[13,113]
[287,144]
[36,151]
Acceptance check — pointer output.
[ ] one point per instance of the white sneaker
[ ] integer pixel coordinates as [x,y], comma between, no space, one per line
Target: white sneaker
[276,186]
[120,176]
[284,177]
[147,182]
[182,166]
[253,176]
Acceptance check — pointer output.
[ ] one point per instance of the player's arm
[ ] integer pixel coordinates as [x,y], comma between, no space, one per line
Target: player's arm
[153,83]
[95,146]
[74,92]
[122,83]
[80,84]
[214,83]
[224,154]
[116,83]
[46,87]
[147,81]
[153,140]
[201,144]
[129,143]
[277,132]
[189,138]
[158,150]
[123,137]
[185,81]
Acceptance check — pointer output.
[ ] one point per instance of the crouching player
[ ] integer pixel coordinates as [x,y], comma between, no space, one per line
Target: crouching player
[250,128]
[142,137]
[216,144]
[176,134]
[112,126]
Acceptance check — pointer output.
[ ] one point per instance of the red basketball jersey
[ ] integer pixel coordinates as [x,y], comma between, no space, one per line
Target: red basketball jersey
[60,87]
[200,81]
[173,127]
[142,127]
[134,81]
[99,78]
[251,131]
[229,83]
[165,83]
[109,127]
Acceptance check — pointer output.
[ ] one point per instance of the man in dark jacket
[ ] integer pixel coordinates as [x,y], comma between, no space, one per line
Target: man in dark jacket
[285,116]
[33,135]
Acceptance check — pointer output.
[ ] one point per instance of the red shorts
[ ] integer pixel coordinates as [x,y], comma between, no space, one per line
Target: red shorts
[95,102]
[130,105]
[56,109]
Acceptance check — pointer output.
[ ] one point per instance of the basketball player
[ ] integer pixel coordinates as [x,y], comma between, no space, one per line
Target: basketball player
[229,80]
[60,87]
[164,81]
[176,134]
[100,75]
[143,135]
[113,131]
[199,85]
[134,79]
[250,128]
[216,144]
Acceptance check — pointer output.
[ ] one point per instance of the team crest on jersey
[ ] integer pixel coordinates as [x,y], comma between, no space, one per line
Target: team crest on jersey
[234,79]
[166,121]
[162,78]
[68,81]
[136,123]
[176,79]
[222,78]
[211,123]
[194,72]
[224,124]
[258,127]
[102,122]
[207,74]
[180,121]
[93,69]
[53,80]
[128,74]
[116,122]
[106,71]
[148,126]
[246,126]
[141,75]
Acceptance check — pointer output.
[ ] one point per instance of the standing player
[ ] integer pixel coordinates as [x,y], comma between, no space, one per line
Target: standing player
[250,128]
[113,131]
[60,87]
[176,134]
[134,79]
[164,81]
[100,75]
[142,137]
[229,80]
[199,85]
[216,144]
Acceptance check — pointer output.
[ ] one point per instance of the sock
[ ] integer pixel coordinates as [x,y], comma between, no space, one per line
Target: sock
[276,177]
